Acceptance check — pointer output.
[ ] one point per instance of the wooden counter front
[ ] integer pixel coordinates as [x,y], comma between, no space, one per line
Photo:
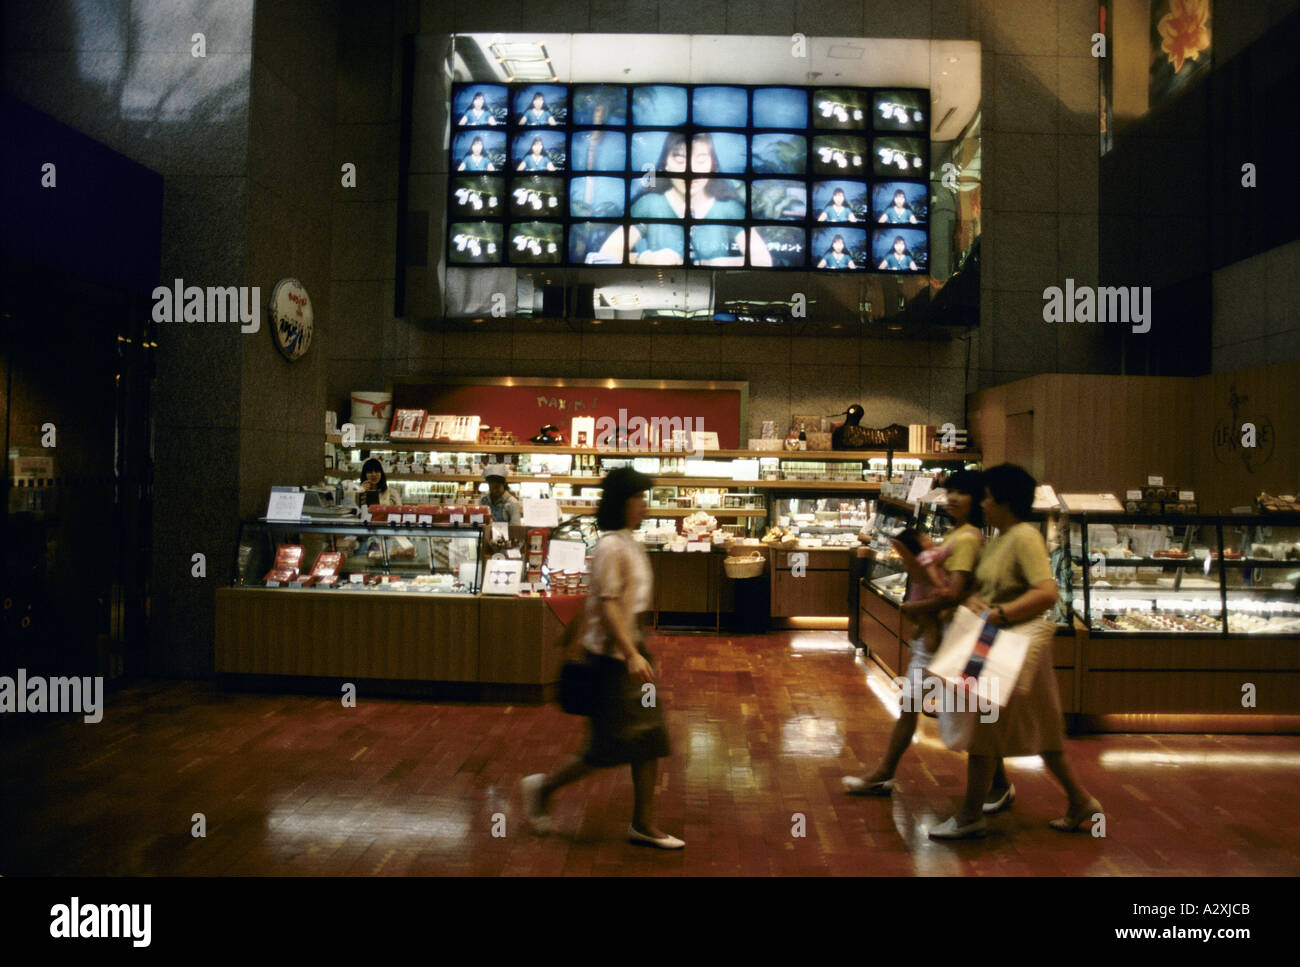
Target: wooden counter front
[823,591]
[353,634]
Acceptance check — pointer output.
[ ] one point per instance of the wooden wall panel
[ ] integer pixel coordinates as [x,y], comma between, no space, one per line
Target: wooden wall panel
[1269,391]
[1107,433]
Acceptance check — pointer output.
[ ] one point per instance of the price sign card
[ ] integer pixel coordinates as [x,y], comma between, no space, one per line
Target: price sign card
[541,512]
[502,576]
[285,505]
[567,556]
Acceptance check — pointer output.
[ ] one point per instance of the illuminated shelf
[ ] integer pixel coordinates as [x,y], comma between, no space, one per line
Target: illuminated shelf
[970,456]
[669,480]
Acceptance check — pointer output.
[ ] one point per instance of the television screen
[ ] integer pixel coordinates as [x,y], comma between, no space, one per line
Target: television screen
[659,105]
[780,154]
[596,243]
[839,249]
[656,243]
[477,195]
[719,151]
[534,243]
[599,151]
[599,104]
[717,198]
[711,175]
[786,246]
[597,197]
[778,199]
[780,107]
[475,243]
[541,105]
[841,108]
[900,202]
[479,106]
[538,151]
[533,195]
[479,151]
[840,201]
[720,107]
[718,245]
[898,157]
[900,249]
[840,154]
[902,110]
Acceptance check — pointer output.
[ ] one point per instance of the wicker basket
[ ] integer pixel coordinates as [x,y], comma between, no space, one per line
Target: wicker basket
[738,568]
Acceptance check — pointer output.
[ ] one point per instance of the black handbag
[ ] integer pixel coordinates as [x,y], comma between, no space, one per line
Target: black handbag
[577,690]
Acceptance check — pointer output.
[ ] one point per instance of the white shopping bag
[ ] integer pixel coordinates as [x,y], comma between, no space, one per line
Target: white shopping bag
[997,672]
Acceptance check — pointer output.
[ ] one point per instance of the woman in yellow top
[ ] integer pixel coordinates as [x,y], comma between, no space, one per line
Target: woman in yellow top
[1013,585]
[957,555]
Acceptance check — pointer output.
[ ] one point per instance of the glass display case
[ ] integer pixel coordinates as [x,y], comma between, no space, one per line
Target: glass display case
[1187,575]
[353,556]
[822,521]
[885,573]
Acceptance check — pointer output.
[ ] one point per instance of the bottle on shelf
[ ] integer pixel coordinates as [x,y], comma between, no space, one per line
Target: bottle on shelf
[803,438]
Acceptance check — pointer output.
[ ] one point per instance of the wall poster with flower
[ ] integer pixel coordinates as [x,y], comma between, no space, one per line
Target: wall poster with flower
[1180,45]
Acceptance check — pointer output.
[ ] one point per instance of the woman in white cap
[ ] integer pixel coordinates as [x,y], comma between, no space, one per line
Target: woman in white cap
[505,506]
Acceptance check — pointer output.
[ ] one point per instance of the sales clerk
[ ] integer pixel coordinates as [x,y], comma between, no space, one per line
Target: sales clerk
[506,508]
[374,486]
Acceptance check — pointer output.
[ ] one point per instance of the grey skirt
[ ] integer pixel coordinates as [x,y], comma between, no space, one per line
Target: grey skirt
[623,727]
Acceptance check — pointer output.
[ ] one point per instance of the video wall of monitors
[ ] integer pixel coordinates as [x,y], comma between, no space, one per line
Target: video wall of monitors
[823,178]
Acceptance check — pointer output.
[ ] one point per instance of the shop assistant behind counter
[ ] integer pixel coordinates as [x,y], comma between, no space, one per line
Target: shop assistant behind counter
[505,506]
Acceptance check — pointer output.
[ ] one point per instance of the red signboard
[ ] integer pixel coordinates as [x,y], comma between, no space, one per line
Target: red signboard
[524,409]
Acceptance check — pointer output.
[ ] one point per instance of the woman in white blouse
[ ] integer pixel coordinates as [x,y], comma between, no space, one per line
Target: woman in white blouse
[627,722]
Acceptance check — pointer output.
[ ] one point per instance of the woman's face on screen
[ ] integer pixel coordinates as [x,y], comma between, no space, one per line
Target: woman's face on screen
[702,154]
[676,160]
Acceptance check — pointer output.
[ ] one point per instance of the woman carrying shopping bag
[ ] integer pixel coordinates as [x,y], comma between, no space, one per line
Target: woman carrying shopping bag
[956,557]
[627,722]
[1013,587]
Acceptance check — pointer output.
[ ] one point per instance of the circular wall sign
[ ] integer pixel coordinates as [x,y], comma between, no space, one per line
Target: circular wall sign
[291,319]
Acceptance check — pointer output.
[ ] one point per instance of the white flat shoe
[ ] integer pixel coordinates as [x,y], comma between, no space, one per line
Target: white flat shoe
[860,787]
[949,829]
[538,821]
[663,842]
[1001,803]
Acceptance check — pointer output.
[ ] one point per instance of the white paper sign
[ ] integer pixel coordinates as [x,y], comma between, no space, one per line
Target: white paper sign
[1132,495]
[744,470]
[698,545]
[356,578]
[456,519]
[284,505]
[502,576]
[541,512]
[514,554]
[703,440]
[567,556]
[1187,495]
[1155,481]
[425,519]
[410,518]
[920,487]
[500,531]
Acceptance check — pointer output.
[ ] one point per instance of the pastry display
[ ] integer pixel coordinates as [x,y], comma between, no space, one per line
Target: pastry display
[1159,622]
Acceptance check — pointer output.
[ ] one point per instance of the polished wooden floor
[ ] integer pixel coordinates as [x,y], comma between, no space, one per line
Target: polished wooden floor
[763,728]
